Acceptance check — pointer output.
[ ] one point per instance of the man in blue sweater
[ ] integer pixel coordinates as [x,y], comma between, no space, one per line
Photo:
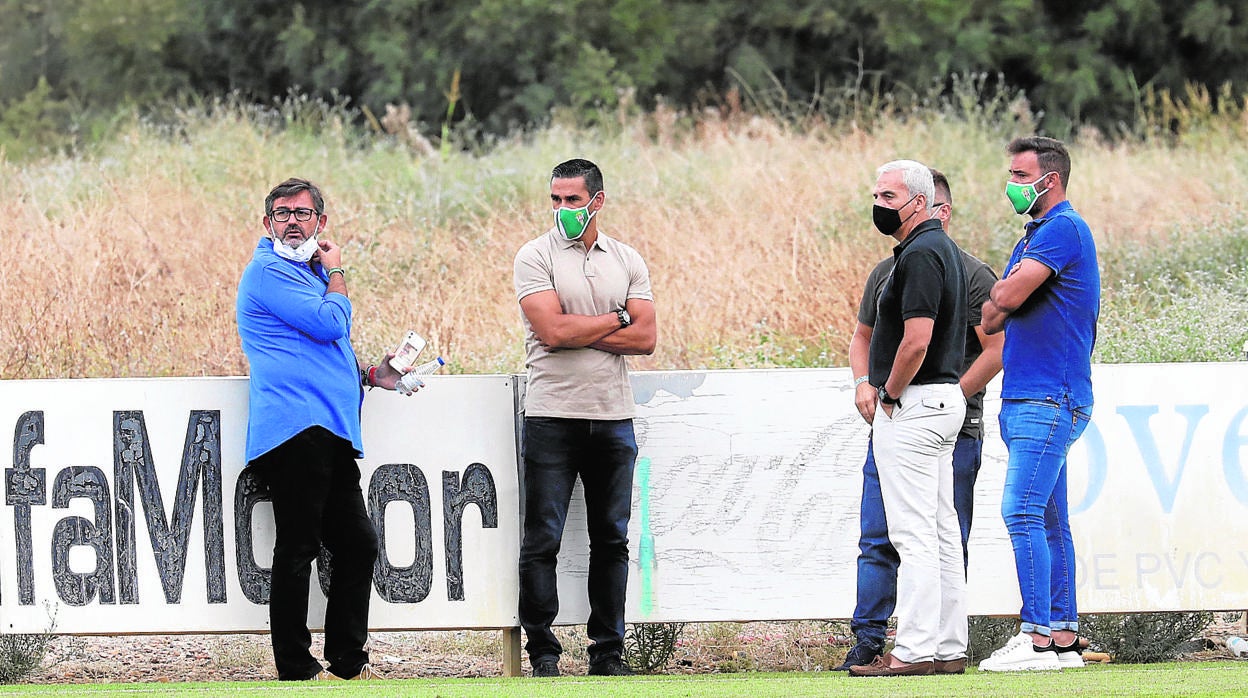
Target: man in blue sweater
[303,431]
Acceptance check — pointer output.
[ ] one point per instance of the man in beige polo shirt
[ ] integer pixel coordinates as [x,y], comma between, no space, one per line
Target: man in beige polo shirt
[586,302]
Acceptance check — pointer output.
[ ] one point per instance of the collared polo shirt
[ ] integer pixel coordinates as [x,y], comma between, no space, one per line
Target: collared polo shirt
[1049,338]
[582,383]
[979,281]
[927,280]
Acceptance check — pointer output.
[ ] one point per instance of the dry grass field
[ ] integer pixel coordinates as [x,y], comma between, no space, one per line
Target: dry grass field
[124,260]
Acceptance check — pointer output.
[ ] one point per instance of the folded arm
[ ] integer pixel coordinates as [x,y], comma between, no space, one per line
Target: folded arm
[638,338]
[559,330]
[1010,293]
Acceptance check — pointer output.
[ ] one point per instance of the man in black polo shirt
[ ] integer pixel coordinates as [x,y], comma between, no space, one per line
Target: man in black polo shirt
[915,361]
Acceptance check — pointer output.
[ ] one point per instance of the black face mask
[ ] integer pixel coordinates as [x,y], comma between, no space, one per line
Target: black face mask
[888,220]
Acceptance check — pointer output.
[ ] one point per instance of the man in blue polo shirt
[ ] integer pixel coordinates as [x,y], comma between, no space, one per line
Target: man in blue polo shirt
[303,431]
[1048,303]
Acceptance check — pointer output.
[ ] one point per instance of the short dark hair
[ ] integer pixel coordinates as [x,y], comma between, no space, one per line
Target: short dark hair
[1051,154]
[578,167]
[942,185]
[291,187]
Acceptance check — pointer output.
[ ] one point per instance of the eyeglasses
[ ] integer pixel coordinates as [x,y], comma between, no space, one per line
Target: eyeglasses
[281,215]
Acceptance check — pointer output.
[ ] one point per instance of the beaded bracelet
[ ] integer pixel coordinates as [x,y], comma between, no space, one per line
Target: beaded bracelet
[336,270]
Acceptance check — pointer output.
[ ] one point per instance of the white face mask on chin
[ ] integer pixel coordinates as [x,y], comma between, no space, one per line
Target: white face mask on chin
[300,254]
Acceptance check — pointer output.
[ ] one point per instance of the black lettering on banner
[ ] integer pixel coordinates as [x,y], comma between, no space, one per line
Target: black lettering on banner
[80,588]
[324,569]
[25,487]
[402,482]
[254,579]
[133,465]
[478,488]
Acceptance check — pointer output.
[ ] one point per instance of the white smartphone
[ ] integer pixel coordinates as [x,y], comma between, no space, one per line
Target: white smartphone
[407,352]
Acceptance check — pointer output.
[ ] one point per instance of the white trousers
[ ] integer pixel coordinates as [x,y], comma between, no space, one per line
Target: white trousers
[914,455]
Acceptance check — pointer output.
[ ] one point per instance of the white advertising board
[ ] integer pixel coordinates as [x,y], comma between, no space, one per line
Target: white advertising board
[747,492]
[127,508]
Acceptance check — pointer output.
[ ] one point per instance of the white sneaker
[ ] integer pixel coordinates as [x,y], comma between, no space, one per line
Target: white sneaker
[1019,654]
[1069,657]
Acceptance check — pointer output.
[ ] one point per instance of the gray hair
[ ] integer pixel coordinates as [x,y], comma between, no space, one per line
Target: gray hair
[915,175]
[293,186]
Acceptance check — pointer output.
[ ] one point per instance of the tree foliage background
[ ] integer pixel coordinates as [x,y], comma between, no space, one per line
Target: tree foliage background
[1078,62]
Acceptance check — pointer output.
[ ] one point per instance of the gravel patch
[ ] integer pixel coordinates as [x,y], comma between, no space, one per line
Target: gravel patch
[702,648]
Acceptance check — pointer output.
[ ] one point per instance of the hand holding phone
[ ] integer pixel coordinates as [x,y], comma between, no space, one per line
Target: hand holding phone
[408,351]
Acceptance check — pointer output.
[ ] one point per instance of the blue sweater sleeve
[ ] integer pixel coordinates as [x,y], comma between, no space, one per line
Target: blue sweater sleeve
[294,299]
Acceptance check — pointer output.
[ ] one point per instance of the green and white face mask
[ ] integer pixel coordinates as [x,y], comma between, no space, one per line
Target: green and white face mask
[1025,196]
[572,222]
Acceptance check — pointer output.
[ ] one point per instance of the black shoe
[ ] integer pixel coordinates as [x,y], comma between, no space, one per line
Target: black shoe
[545,668]
[612,666]
[860,654]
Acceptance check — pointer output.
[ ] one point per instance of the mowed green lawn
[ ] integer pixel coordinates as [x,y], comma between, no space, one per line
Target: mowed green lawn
[1219,678]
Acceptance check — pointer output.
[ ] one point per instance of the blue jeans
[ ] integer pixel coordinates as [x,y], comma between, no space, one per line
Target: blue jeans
[1038,434]
[603,454]
[878,560]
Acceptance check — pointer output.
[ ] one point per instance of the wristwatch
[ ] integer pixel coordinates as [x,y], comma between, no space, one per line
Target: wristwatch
[625,318]
[888,399]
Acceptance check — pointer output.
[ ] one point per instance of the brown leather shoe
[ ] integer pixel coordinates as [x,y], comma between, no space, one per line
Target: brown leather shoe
[951,666]
[882,666]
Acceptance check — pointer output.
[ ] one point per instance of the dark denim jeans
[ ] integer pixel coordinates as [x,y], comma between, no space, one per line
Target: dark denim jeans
[603,454]
[878,559]
[1038,434]
[314,483]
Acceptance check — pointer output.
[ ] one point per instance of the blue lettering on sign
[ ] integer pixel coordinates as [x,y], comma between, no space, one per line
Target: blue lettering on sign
[1137,417]
[1098,467]
[1231,446]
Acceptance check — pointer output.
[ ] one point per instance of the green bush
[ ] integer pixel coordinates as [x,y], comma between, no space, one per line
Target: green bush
[648,647]
[21,655]
[1139,638]
[36,124]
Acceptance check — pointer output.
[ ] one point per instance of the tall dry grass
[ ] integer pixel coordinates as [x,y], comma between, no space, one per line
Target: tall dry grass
[125,261]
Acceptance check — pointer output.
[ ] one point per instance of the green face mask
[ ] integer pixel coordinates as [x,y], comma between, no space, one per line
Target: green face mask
[572,222]
[1025,196]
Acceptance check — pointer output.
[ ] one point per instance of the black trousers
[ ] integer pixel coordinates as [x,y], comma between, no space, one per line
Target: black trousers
[602,453]
[314,483]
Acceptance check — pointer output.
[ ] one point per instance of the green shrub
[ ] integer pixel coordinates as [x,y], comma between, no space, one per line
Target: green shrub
[21,655]
[36,124]
[1139,638]
[648,647]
